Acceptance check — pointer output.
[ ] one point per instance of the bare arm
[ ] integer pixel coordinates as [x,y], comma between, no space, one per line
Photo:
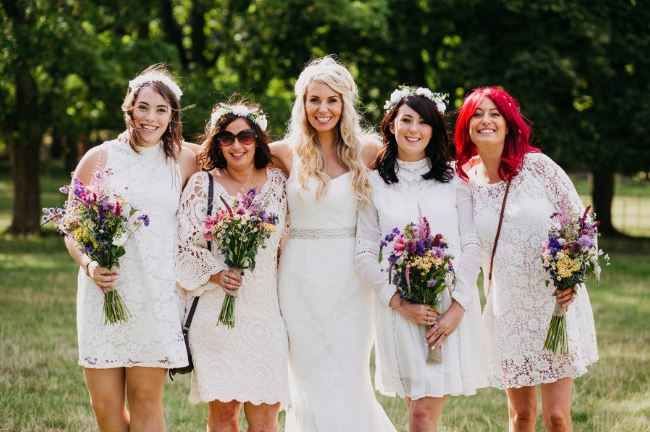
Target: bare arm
[187,161]
[102,277]
[281,156]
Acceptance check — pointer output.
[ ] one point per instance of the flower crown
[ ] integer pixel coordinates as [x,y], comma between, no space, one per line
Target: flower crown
[255,115]
[440,99]
[156,76]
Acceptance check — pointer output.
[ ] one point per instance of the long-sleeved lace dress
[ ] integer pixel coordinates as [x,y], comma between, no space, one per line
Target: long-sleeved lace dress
[247,363]
[401,349]
[520,305]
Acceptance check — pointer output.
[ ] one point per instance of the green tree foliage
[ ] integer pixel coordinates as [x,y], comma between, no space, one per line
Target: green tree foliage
[579,69]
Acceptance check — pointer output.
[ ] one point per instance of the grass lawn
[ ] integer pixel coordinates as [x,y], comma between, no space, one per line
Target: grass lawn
[42,387]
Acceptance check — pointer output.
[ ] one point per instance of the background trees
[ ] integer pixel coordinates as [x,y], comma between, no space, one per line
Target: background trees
[580,70]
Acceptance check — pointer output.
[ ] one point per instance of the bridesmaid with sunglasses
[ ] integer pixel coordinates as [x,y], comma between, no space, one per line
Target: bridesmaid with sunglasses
[246,364]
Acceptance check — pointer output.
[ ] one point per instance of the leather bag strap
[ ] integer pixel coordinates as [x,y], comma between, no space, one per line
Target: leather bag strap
[188,321]
[496,237]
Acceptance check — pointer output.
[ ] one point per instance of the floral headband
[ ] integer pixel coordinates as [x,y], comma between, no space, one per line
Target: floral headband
[440,99]
[156,76]
[255,115]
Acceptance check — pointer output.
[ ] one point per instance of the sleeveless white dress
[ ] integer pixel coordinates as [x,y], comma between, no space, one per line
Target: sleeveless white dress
[401,348]
[152,337]
[328,313]
[247,363]
[520,305]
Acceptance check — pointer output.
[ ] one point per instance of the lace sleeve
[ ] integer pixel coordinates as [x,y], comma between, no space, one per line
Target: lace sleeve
[469,262]
[194,262]
[559,187]
[367,251]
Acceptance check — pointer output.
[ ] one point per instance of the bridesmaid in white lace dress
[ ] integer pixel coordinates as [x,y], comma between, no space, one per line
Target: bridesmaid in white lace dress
[246,364]
[327,311]
[492,143]
[149,170]
[414,175]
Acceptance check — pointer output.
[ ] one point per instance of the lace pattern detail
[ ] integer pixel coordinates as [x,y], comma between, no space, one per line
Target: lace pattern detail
[152,337]
[247,363]
[520,305]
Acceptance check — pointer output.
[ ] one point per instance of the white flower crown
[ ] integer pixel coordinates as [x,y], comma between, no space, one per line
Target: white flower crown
[440,99]
[255,115]
[156,76]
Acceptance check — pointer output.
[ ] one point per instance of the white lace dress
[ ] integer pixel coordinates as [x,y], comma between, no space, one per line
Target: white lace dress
[328,314]
[247,363]
[401,347]
[519,307]
[152,337]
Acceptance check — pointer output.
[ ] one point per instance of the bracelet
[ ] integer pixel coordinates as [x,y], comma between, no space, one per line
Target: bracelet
[86,267]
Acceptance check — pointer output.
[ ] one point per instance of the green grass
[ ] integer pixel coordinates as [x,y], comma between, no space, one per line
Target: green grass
[42,387]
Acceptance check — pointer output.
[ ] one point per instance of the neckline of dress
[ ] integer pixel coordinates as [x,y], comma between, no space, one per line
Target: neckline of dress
[416,167]
[263,188]
[148,150]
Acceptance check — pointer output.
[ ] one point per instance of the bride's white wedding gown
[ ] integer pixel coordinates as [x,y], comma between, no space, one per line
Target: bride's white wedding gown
[328,314]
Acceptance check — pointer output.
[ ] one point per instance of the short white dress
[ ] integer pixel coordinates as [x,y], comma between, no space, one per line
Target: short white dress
[152,337]
[247,363]
[520,305]
[401,348]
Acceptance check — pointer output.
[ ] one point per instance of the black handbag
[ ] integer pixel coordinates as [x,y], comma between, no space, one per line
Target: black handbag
[188,322]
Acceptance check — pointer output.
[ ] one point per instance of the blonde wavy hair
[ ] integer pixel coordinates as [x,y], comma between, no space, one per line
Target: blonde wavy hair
[349,134]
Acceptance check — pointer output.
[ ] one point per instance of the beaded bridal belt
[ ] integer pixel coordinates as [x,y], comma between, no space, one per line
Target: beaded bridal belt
[332,233]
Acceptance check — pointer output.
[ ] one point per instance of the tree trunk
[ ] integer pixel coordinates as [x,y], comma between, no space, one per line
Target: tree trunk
[24,150]
[602,195]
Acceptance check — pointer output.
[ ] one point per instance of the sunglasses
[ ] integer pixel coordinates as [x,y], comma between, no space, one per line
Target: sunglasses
[245,137]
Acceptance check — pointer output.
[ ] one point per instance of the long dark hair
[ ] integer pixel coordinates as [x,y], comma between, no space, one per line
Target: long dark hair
[437,150]
[211,156]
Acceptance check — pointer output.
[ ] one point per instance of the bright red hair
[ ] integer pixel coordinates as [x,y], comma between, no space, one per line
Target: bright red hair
[517,141]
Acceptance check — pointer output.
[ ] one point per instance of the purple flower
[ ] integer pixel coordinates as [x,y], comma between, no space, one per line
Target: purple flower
[144,219]
[586,241]
[432,283]
[411,246]
[419,248]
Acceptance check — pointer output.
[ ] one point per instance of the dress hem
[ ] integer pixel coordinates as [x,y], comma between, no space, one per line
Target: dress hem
[577,373]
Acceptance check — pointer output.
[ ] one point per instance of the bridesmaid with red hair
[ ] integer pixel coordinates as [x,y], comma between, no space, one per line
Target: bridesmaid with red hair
[516,188]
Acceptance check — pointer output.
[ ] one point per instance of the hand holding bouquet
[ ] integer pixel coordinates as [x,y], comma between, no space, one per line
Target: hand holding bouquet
[238,231]
[420,267]
[100,223]
[570,252]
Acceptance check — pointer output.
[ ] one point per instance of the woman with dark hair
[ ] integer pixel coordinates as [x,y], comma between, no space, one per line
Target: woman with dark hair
[149,168]
[509,176]
[414,178]
[246,364]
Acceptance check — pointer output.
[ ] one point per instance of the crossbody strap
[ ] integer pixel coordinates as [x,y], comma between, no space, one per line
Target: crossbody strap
[496,237]
[188,321]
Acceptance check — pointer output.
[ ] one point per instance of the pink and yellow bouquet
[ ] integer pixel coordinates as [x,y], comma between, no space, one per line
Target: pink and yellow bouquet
[419,266]
[569,254]
[238,231]
[100,223]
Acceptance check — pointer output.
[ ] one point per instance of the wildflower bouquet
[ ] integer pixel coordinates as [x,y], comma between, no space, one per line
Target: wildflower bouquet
[100,223]
[238,231]
[419,266]
[570,252]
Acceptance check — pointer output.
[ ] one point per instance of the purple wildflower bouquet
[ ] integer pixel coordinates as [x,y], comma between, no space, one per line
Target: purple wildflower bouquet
[100,223]
[238,231]
[419,266]
[570,252]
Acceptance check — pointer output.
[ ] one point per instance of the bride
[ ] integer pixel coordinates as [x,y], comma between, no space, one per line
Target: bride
[328,313]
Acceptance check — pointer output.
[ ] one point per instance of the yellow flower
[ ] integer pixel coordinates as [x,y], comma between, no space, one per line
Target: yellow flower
[566,265]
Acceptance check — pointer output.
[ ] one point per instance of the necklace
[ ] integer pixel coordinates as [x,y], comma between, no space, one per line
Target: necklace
[243,186]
